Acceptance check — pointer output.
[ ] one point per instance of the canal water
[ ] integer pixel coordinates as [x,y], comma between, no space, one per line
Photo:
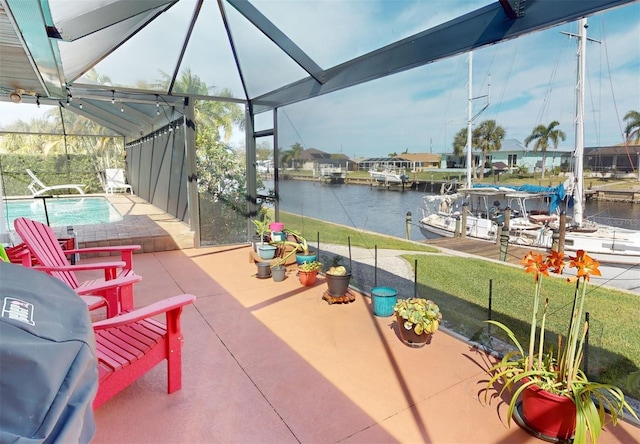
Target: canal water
[385,211]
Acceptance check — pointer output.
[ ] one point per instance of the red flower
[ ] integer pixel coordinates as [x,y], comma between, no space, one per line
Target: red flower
[556,262]
[585,266]
[535,264]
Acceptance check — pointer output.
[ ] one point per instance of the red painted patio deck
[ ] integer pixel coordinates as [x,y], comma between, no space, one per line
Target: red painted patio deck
[271,362]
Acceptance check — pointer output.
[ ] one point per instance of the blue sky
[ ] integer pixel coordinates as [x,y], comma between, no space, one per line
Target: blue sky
[532,82]
[532,78]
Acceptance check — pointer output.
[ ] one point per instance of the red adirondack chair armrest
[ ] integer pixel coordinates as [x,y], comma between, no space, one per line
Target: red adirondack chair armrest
[126,252]
[81,267]
[100,286]
[94,302]
[110,268]
[25,257]
[164,306]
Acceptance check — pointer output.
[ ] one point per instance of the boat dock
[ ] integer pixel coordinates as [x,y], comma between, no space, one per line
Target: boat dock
[484,249]
[613,195]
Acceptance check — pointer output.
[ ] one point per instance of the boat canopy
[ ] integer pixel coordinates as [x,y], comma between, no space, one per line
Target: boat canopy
[555,194]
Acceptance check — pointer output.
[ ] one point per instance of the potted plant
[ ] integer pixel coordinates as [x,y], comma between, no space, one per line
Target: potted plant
[266,251]
[295,238]
[276,229]
[558,400]
[418,319]
[262,228]
[338,278]
[278,272]
[308,271]
[279,268]
[264,269]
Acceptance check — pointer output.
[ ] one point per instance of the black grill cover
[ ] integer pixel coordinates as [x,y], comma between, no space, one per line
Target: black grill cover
[48,366]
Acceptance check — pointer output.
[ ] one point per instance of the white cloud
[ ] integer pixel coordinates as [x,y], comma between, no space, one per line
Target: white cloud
[532,78]
[532,82]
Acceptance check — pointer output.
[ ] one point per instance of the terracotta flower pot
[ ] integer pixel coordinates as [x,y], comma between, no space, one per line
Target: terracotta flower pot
[410,337]
[551,415]
[307,278]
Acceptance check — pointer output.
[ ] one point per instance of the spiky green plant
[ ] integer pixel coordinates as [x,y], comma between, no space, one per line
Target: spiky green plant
[560,374]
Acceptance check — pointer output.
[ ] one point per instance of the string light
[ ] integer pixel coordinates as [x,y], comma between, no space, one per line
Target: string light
[80,104]
[121,107]
[113,96]
[157,105]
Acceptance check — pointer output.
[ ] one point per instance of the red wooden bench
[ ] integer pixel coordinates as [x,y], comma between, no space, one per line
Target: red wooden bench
[131,344]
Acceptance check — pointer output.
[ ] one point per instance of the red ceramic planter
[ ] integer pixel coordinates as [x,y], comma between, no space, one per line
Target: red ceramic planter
[551,415]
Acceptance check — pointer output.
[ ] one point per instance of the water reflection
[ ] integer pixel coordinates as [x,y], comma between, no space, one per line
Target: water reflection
[385,211]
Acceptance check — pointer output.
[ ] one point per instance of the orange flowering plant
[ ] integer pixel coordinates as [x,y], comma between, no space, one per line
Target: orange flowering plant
[559,373]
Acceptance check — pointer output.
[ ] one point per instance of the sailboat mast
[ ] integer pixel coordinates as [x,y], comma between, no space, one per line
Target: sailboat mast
[469,119]
[578,194]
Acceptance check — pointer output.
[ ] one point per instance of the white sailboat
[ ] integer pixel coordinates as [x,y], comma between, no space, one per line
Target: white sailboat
[605,243]
[611,245]
[442,215]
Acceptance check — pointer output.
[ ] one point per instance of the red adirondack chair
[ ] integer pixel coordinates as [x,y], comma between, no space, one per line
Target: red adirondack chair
[116,288]
[131,344]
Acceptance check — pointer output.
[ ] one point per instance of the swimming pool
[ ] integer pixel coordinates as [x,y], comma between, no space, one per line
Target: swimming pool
[62,211]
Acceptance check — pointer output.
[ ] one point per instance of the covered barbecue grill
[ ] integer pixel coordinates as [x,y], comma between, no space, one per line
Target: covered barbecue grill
[48,364]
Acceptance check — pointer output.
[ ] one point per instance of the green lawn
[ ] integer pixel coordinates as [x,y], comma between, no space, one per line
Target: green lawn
[338,234]
[461,287]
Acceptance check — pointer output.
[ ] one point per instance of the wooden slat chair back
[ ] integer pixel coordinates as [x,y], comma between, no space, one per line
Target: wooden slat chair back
[117,285]
[43,244]
[131,344]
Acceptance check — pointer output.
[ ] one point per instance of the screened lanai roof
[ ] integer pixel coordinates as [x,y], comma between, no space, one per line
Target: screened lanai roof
[119,62]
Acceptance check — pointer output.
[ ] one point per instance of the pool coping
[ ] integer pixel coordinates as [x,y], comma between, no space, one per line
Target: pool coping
[143,224]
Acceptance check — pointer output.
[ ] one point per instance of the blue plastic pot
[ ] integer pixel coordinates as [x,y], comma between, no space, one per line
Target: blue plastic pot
[266,251]
[383,299]
[304,258]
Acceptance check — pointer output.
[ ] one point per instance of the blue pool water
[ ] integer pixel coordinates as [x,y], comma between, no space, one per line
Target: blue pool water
[62,211]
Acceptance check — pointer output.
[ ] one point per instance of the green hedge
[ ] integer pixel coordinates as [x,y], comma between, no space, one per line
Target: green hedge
[51,170]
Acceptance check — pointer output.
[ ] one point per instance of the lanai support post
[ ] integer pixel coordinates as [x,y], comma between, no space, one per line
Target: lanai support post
[192,173]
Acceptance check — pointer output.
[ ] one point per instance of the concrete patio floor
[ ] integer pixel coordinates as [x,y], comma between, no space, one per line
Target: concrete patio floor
[271,362]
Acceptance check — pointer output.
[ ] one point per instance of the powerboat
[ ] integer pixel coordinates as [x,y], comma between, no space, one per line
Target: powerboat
[388,177]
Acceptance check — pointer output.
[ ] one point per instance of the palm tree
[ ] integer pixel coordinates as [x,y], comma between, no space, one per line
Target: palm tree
[459,147]
[542,136]
[296,150]
[487,137]
[284,157]
[632,129]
